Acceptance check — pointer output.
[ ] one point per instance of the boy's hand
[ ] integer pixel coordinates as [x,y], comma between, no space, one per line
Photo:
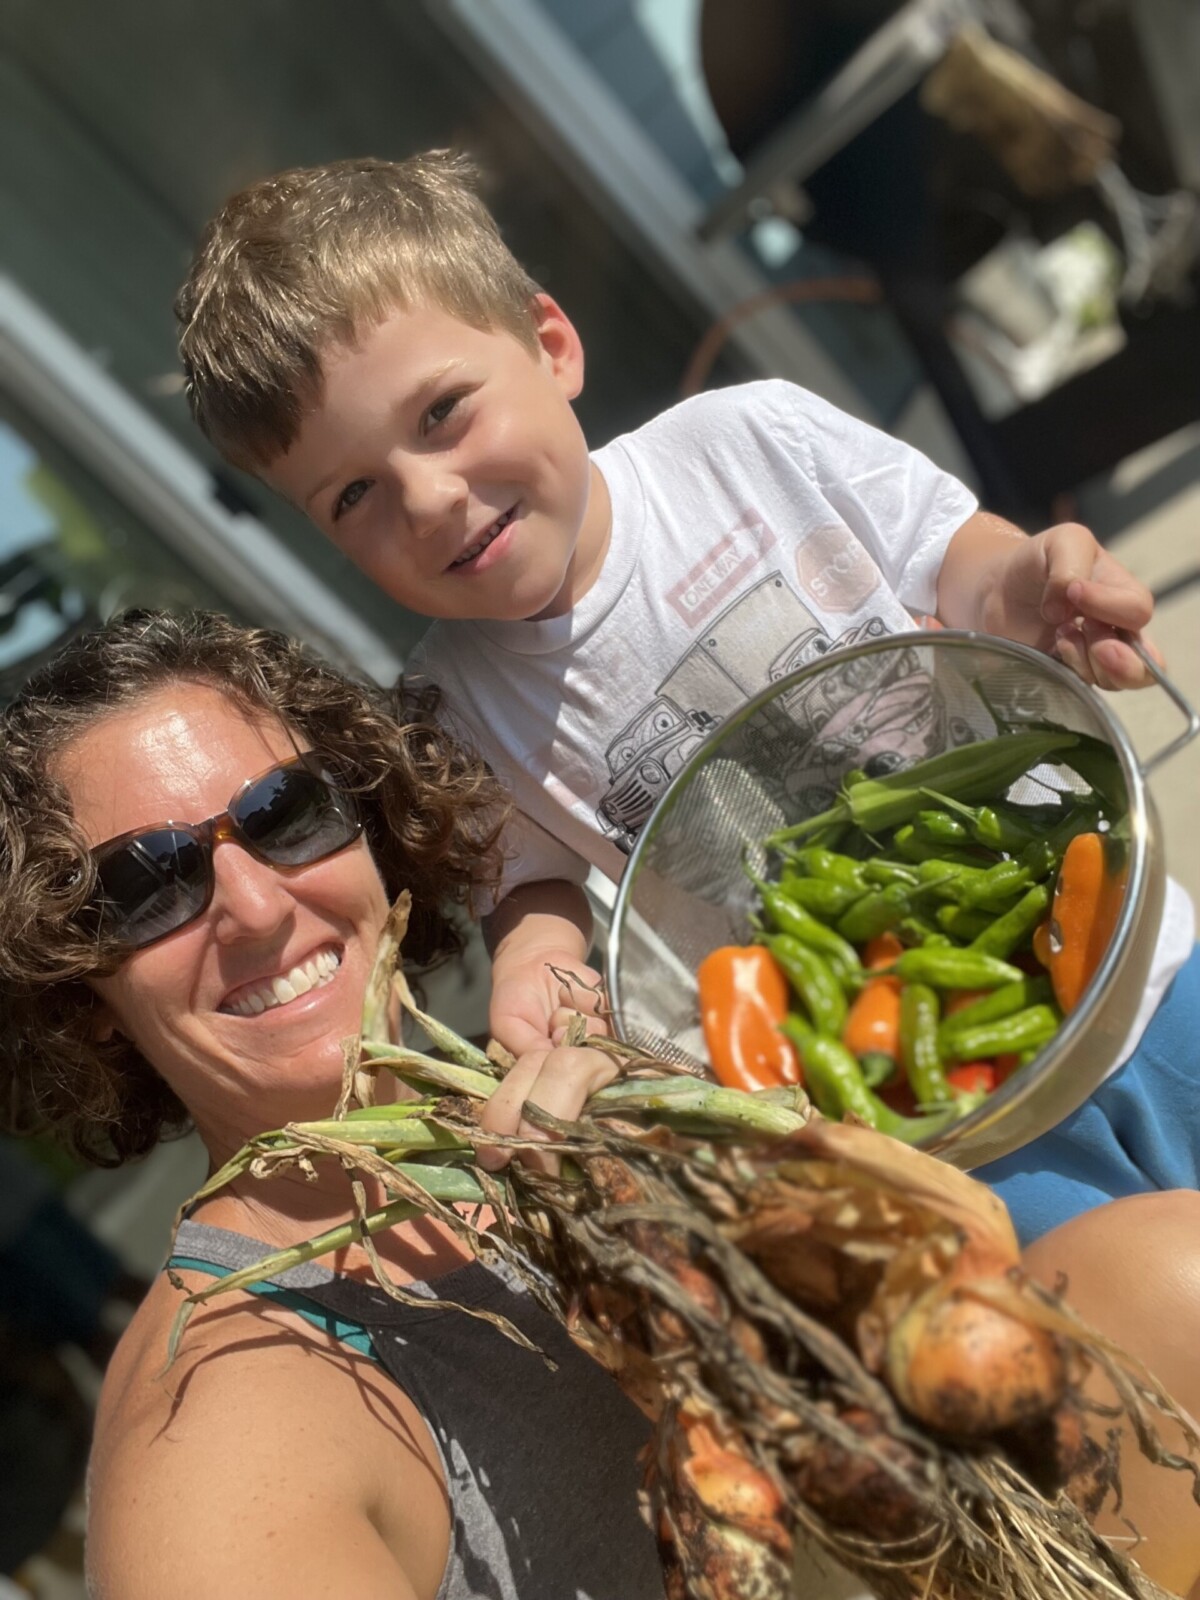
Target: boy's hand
[1058,591]
[558,1081]
[530,1008]
[540,926]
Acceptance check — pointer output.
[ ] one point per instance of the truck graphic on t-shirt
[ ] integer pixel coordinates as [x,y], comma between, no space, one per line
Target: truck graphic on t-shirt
[643,759]
[762,637]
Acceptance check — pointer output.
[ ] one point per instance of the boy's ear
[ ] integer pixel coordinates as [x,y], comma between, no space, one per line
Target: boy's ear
[559,344]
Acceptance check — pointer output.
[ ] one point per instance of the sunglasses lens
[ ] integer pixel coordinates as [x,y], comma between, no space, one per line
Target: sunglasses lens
[151,885]
[293,817]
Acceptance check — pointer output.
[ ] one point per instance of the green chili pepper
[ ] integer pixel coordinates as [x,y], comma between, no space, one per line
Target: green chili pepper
[877,1068]
[916,932]
[992,825]
[906,843]
[813,980]
[971,772]
[919,1045]
[937,872]
[883,909]
[880,872]
[1040,859]
[946,967]
[827,864]
[963,922]
[876,912]
[1024,1030]
[939,827]
[1001,828]
[1003,1002]
[1008,931]
[986,888]
[830,837]
[822,897]
[1052,847]
[835,1081]
[855,775]
[790,918]
[831,1074]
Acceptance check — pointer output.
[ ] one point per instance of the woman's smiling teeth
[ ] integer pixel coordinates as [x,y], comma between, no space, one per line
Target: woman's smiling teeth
[480,545]
[314,973]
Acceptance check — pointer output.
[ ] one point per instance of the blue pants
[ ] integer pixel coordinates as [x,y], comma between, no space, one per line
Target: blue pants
[1140,1131]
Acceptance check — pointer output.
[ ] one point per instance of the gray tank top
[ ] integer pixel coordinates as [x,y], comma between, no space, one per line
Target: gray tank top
[541,1466]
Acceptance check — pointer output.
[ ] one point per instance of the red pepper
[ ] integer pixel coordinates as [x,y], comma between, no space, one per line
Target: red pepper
[743,999]
[974,1077]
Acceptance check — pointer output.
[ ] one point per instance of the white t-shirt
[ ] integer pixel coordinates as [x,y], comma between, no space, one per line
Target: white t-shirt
[754,529]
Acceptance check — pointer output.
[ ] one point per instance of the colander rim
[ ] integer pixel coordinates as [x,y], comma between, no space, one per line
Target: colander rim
[1022,1086]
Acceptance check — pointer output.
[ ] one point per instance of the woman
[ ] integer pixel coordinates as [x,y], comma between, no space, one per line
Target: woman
[279,1456]
[201,829]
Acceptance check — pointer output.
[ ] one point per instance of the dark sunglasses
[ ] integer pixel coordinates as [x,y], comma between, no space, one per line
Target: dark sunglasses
[154,881]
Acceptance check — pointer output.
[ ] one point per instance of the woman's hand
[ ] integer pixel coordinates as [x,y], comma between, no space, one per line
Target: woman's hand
[559,1081]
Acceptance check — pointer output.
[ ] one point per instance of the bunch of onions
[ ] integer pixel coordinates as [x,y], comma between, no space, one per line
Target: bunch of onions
[829,1330]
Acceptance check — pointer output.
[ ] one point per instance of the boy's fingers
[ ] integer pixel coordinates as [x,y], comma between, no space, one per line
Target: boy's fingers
[562,1019]
[1071,649]
[582,996]
[557,1081]
[502,1114]
[1117,599]
[1114,664]
[1070,553]
[517,1034]
[1101,658]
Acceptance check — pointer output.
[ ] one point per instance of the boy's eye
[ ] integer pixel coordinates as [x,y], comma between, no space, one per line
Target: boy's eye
[350,496]
[440,410]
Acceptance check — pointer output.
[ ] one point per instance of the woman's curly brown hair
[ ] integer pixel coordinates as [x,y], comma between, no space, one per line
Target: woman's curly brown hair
[432,815]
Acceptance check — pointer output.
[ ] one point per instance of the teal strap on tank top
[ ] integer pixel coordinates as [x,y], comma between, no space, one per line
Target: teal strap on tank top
[350,1333]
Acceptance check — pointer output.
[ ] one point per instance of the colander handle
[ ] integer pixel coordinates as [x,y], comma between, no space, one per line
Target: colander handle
[1189,711]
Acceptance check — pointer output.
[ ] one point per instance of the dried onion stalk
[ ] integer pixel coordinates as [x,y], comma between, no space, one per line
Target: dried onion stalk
[830,1331]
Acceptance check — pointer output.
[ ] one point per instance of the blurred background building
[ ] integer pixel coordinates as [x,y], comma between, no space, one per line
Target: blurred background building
[973,222]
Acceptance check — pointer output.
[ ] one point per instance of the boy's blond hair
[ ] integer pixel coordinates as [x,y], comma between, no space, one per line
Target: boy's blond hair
[302,262]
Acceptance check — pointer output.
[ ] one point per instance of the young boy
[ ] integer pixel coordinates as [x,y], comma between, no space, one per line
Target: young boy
[359,336]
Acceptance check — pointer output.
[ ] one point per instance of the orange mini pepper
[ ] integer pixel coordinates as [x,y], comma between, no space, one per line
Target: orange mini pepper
[1087,902]
[882,950]
[872,1025]
[743,999]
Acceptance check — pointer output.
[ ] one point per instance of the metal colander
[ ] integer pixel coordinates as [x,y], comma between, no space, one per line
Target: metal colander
[879,707]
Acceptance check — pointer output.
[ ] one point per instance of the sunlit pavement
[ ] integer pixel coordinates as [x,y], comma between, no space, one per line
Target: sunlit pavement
[1160,543]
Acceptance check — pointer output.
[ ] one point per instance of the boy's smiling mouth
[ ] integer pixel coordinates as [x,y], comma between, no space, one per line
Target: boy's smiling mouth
[474,551]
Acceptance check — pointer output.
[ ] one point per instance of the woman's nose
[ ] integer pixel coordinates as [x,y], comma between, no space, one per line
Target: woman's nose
[251,898]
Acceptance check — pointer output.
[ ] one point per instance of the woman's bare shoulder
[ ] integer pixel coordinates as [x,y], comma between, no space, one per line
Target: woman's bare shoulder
[232,1460]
